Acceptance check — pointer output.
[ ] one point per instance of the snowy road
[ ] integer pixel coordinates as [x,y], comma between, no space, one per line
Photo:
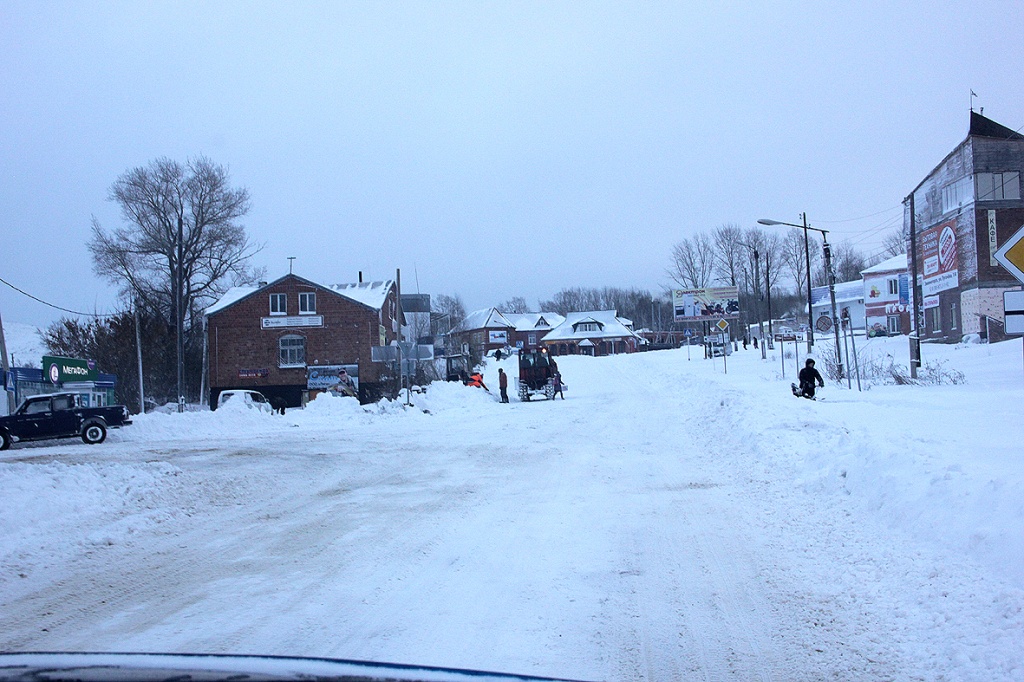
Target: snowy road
[640,530]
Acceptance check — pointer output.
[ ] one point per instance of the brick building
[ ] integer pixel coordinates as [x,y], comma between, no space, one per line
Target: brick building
[288,339]
[963,211]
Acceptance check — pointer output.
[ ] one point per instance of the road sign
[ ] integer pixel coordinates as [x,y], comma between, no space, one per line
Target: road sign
[785,337]
[687,332]
[1011,254]
[723,325]
[824,323]
[1013,311]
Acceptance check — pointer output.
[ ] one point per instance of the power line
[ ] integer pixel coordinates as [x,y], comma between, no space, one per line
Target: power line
[47,303]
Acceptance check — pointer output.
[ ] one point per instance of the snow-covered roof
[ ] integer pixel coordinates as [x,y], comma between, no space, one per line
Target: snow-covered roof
[528,322]
[372,294]
[894,264]
[611,326]
[231,296]
[846,292]
[488,318]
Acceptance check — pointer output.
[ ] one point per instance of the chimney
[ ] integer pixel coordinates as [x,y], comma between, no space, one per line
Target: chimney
[360,276]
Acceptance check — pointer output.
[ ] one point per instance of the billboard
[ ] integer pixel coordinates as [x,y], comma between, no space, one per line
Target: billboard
[696,305]
[497,337]
[938,252]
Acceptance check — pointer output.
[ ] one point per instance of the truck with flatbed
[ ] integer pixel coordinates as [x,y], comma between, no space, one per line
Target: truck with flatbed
[60,415]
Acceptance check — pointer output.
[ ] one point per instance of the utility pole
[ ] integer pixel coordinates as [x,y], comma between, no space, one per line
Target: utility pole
[768,291]
[807,256]
[180,313]
[138,350]
[915,333]
[831,276]
[7,368]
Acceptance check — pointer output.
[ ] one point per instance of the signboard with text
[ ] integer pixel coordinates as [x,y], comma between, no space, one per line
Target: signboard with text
[60,370]
[939,256]
[292,321]
[695,305]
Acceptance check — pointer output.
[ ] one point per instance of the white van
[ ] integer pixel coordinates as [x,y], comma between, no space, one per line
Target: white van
[251,399]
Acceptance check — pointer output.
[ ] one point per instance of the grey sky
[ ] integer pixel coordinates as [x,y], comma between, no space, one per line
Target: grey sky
[486,149]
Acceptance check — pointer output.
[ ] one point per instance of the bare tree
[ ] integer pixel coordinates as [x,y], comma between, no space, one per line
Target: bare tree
[516,305]
[693,262]
[848,261]
[729,253]
[894,243]
[447,312]
[142,257]
[794,258]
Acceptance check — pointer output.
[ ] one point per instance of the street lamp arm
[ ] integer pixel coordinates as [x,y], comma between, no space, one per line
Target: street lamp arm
[768,221]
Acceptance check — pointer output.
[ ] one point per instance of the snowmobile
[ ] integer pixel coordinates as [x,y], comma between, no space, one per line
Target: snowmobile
[536,371]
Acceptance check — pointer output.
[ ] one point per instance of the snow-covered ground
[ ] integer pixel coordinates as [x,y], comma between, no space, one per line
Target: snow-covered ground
[667,521]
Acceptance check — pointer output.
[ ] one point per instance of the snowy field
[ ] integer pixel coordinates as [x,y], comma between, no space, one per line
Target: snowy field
[667,521]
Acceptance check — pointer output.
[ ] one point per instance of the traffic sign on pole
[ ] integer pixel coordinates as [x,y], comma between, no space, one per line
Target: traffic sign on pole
[1011,254]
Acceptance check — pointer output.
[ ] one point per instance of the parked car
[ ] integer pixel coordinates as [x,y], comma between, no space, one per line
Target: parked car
[719,348]
[60,415]
[251,399]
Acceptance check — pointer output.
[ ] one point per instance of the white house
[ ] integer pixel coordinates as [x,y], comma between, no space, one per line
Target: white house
[600,332]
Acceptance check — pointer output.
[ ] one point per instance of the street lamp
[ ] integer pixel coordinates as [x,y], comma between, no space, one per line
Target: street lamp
[807,257]
[829,275]
[757,281]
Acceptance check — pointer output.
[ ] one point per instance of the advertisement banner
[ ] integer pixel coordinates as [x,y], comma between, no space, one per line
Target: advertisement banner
[938,252]
[497,337]
[59,370]
[695,305]
[324,377]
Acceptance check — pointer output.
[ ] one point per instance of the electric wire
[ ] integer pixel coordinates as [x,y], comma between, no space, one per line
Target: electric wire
[47,303]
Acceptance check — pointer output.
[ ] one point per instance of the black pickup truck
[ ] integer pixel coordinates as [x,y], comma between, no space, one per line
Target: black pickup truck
[59,415]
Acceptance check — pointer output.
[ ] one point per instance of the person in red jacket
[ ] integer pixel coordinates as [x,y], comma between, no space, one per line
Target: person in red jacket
[503,384]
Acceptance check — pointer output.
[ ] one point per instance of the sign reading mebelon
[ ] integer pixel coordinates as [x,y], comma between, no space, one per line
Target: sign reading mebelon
[693,305]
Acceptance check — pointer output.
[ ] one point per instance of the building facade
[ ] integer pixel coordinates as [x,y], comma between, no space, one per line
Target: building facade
[530,328]
[597,333]
[290,338]
[484,331]
[849,303]
[887,297]
[961,213]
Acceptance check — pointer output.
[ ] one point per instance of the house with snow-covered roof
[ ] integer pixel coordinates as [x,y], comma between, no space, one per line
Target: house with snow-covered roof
[597,333]
[289,338]
[484,330]
[530,328]
[887,297]
[849,298]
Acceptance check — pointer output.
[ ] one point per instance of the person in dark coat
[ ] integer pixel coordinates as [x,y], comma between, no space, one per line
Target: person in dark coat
[503,384]
[809,379]
[556,383]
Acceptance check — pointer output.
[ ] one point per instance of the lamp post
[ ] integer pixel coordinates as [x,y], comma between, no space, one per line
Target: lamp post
[807,257]
[757,281]
[829,275]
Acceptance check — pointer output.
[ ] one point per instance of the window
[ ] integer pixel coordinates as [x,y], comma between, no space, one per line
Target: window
[588,327]
[532,340]
[38,407]
[278,304]
[293,351]
[952,315]
[934,319]
[998,186]
[956,194]
[893,324]
[307,303]
[894,287]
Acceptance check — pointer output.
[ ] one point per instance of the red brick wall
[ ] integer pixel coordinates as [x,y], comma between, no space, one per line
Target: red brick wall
[238,341]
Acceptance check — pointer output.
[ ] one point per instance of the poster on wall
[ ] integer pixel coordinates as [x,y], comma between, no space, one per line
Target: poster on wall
[695,305]
[938,253]
[497,337]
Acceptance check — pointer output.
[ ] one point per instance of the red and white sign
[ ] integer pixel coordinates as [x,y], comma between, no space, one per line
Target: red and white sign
[938,250]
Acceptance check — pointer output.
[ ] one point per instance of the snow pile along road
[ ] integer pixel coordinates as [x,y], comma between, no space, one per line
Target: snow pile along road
[666,521]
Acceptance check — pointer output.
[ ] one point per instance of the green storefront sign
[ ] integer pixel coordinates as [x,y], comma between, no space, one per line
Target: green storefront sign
[60,370]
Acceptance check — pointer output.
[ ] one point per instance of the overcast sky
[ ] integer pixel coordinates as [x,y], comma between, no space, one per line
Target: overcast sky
[486,149]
